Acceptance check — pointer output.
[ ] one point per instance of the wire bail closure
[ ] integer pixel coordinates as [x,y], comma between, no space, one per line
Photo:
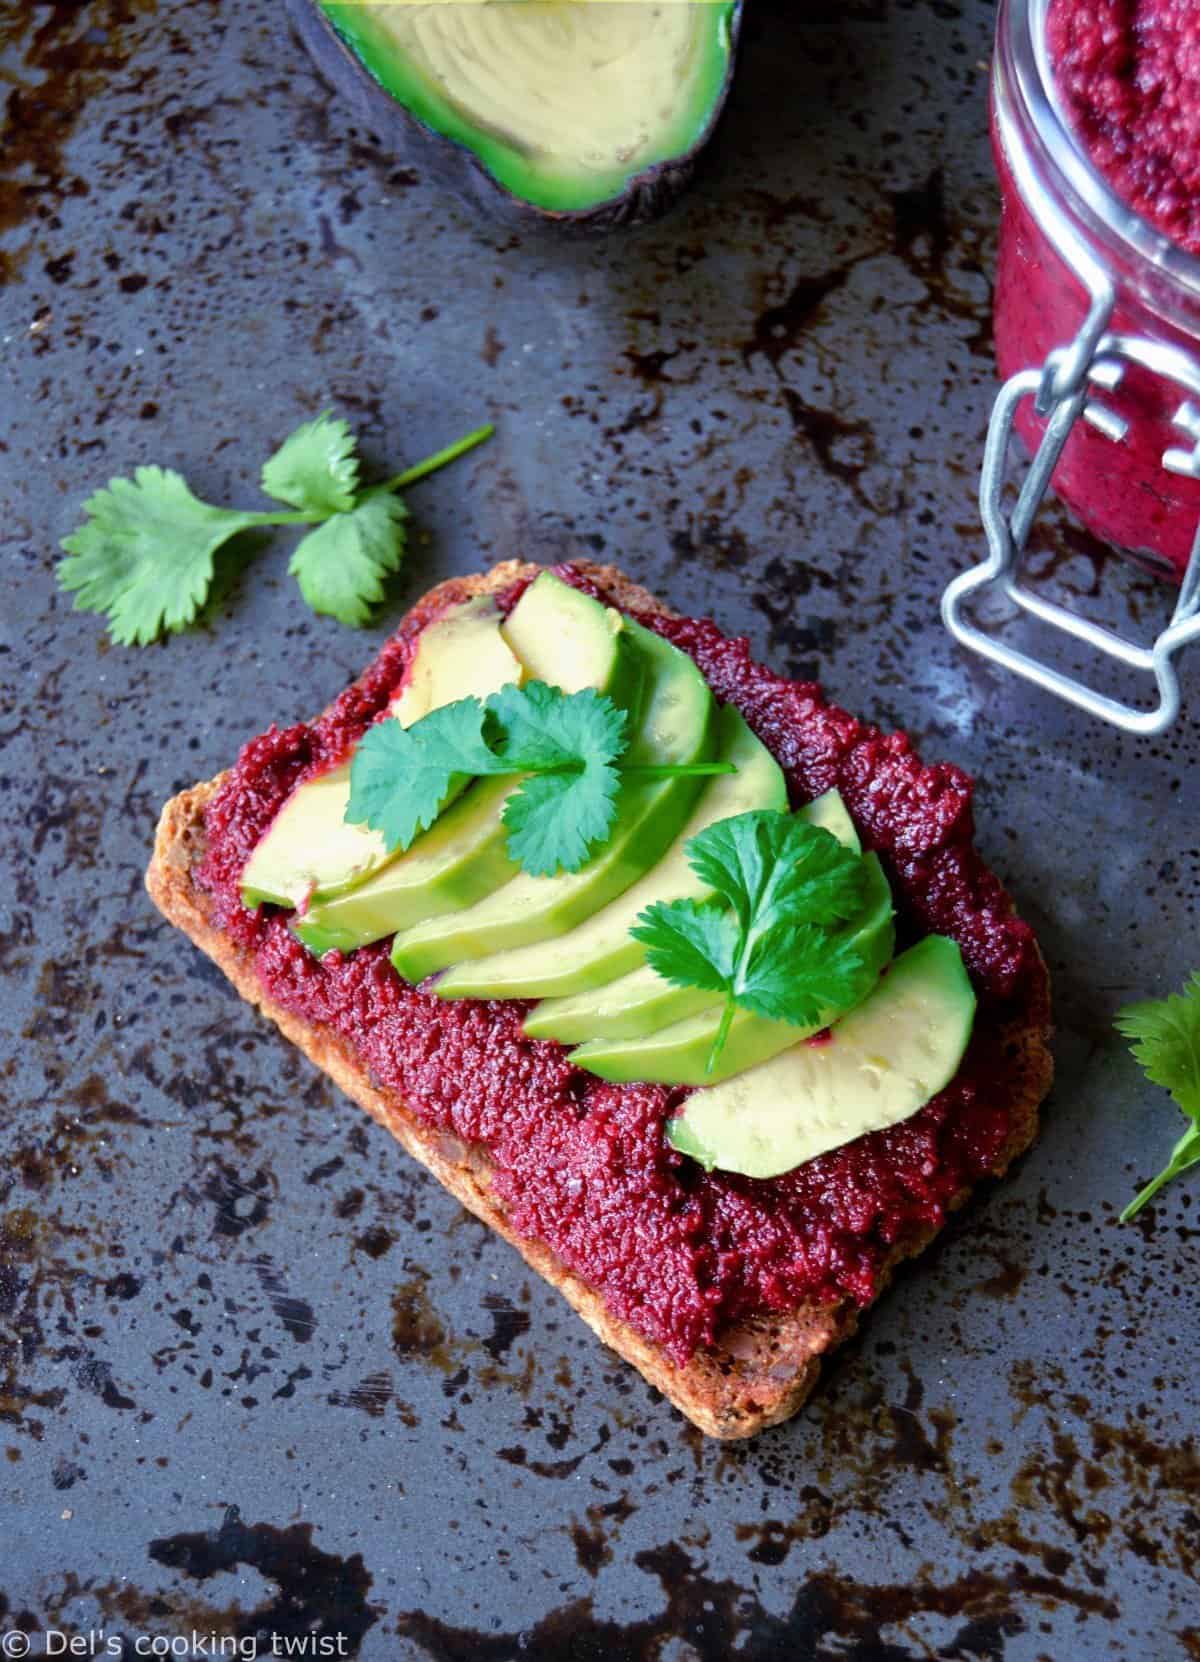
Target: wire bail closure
[1062,391]
[1007,534]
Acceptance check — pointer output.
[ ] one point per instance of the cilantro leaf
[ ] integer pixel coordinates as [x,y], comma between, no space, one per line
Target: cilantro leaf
[798,973]
[400,777]
[555,818]
[566,744]
[1167,1035]
[341,565]
[770,940]
[770,865]
[690,943]
[144,555]
[538,726]
[568,747]
[315,468]
[569,742]
[1166,1032]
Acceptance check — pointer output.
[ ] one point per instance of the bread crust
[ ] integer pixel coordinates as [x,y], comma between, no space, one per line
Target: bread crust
[761,1370]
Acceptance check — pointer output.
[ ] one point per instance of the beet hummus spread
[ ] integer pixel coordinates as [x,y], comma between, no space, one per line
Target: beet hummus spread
[1128,72]
[583,1165]
[1126,80]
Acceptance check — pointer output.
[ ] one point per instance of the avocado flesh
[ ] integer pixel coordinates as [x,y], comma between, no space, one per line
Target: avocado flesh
[461,857]
[564,102]
[602,948]
[880,1065]
[677,726]
[309,850]
[832,815]
[569,640]
[462,654]
[559,636]
[641,1002]
[678,1055]
[631,1007]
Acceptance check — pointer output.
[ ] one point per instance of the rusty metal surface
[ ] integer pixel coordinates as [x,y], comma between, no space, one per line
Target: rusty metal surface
[257,1374]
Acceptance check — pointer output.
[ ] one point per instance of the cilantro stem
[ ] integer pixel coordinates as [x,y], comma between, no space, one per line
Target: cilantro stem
[439,459]
[297,518]
[1147,1194]
[681,770]
[1185,1154]
[667,770]
[399,482]
[718,1044]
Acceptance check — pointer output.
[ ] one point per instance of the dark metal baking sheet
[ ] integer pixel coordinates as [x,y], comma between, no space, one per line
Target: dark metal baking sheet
[260,1376]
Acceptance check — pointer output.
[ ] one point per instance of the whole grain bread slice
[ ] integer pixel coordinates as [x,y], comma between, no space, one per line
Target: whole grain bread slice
[760,1371]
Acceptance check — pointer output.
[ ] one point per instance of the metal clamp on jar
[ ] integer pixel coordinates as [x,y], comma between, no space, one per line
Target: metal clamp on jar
[1097,322]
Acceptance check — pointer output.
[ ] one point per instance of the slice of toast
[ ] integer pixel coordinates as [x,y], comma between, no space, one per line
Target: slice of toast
[759,1371]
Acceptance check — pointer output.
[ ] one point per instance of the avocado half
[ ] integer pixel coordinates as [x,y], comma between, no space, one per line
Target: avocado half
[583,113]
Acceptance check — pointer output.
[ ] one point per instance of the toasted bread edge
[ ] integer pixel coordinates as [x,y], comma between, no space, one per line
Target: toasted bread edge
[762,1370]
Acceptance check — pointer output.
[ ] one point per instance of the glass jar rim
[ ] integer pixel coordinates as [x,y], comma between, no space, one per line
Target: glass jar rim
[1021,30]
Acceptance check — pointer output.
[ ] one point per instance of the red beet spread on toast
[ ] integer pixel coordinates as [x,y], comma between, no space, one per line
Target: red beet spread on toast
[583,1165]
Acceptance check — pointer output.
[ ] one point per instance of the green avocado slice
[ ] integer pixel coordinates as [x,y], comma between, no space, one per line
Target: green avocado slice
[600,949]
[832,815]
[460,857]
[640,1003]
[309,850]
[678,1055]
[677,726]
[631,1007]
[565,103]
[559,635]
[569,640]
[879,1065]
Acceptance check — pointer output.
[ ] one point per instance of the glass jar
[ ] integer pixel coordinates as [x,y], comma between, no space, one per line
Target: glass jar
[1087,291]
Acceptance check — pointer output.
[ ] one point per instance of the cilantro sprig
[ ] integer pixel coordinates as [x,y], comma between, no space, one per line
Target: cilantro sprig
[567,748]
[1166,1032]
[769,939]
[144,556]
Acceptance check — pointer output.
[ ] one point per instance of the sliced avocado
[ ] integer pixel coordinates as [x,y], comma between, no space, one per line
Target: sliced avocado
[309,850]
[461,857]
[678,1055]
[641,1003]
[565,638]
[560,636]
[878,1066]
[308,844]
[631,1007]
[602,948]
[832,815]
[565,110]
[462,654]
[677,725]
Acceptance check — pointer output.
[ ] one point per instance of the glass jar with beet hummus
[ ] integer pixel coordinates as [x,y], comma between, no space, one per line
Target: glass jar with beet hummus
[1096,133]
[1096,137]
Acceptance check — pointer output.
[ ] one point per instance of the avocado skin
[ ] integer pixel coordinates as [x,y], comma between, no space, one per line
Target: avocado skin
[646,197]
